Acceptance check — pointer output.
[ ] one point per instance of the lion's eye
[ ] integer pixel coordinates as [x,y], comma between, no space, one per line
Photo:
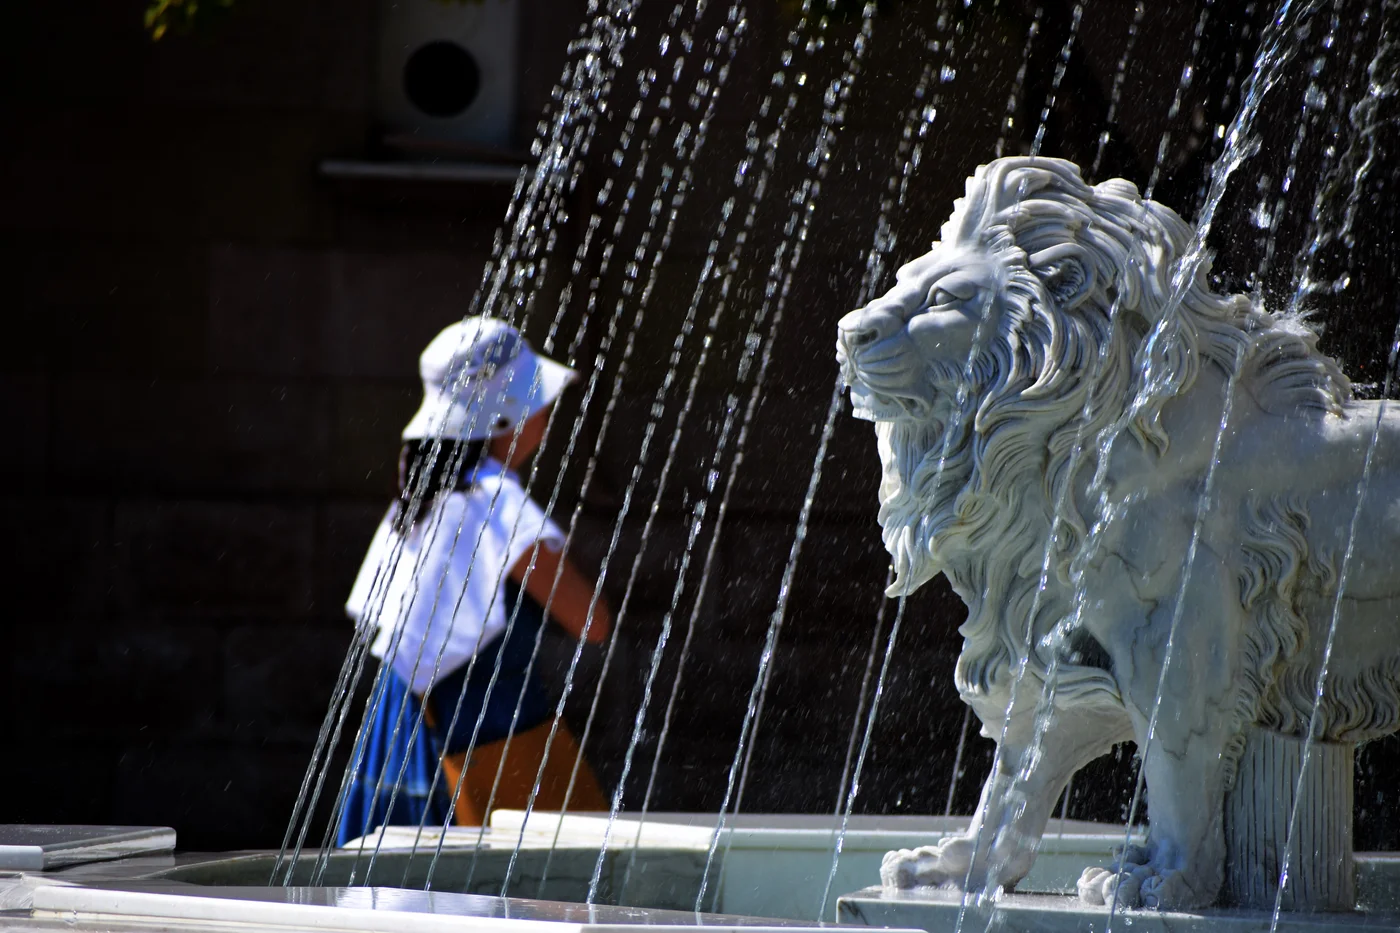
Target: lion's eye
[941,296]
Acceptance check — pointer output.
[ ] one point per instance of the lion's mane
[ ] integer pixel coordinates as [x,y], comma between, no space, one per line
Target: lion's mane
[975,497]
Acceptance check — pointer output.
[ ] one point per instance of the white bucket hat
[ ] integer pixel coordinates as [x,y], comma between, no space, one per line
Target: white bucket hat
[480,379]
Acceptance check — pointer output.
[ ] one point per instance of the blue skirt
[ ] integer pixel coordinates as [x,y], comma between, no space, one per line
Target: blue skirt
[517,685]
[384,753]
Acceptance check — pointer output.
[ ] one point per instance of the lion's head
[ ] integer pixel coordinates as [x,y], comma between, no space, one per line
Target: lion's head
[977,355]
[1040,319]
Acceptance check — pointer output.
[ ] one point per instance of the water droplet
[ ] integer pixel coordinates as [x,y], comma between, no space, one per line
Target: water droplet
[1260,216]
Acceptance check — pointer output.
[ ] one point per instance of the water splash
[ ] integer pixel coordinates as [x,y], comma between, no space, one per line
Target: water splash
[415,504]
[728,36]
[1013,97]
[1275,51]
[860,759]
[1183,84]
[1168,649]
[1115,94]
[632,276]
[1310,116]
[1058,76]
[800,220]
[741,179]
[562,143]
[957,761]
[862,695]
[1364,120]
[918,120]
[770,643]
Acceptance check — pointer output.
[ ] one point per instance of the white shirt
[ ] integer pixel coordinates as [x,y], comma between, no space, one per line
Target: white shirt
[447,596]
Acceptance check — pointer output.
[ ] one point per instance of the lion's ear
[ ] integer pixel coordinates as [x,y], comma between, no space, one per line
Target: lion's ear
[1064,273]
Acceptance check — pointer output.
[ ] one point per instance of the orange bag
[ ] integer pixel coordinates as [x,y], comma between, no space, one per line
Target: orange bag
[523,764]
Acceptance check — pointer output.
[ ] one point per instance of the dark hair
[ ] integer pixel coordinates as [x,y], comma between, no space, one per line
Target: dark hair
[428,468]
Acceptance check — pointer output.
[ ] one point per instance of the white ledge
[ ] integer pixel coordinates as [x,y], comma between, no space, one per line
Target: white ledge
[367,910]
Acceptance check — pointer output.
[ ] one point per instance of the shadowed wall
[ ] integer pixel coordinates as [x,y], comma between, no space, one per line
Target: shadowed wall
[210,349]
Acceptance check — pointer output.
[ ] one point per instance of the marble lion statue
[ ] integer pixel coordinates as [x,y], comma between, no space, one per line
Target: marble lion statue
[1043,329]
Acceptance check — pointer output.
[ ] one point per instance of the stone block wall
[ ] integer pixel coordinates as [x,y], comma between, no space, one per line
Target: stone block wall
[208,357]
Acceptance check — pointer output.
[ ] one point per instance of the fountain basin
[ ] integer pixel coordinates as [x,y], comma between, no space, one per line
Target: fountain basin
[390,910]
[777,865]
[192,892]
[766,865]
[774,876]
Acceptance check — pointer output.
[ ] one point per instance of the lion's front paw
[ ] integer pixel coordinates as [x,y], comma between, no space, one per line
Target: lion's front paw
[900,868]
[927,865]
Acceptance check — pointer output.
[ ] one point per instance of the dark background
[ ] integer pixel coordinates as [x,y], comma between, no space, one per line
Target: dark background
[209,349]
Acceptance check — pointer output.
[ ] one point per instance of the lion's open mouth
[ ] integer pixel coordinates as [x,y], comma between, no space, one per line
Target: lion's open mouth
[890,381]
[877,399]
[869,404]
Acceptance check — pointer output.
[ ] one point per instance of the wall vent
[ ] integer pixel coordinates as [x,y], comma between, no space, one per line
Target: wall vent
[448,72]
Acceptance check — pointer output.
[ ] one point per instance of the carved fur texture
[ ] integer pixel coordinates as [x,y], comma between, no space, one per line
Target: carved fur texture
[1059,359]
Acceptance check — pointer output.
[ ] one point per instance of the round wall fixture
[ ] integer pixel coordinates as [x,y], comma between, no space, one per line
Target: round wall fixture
[449,72]
[441,79]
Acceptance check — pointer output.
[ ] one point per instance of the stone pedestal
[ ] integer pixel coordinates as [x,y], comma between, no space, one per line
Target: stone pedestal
[935,910]
[1321,869]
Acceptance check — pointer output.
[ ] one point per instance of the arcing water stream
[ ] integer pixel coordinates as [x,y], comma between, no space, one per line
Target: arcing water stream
[665,168]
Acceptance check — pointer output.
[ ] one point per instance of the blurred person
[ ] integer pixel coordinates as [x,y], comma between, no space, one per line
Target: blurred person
[460,551]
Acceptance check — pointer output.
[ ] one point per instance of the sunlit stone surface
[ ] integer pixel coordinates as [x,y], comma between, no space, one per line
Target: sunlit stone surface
[1156,488]
[940,910]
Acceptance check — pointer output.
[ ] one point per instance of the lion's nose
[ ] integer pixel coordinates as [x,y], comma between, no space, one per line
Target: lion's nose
[865,327]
